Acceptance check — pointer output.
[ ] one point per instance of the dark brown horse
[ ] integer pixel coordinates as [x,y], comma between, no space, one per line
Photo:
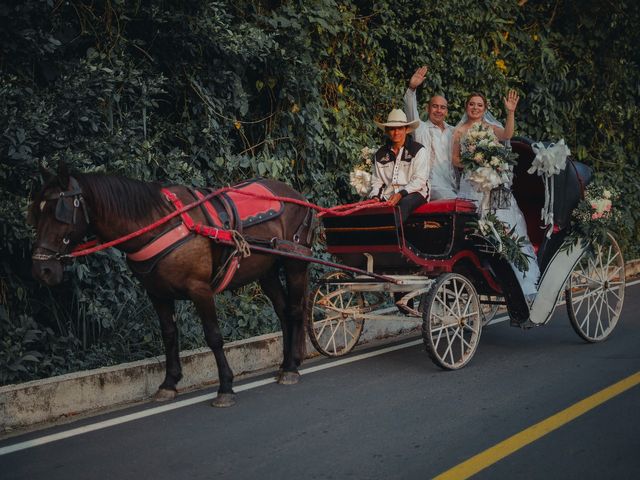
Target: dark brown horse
[70,207]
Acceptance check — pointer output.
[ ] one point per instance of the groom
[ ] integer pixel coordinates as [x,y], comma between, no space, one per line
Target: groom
[435,134]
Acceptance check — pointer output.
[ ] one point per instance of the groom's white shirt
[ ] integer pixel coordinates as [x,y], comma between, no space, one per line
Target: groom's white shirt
[437,142]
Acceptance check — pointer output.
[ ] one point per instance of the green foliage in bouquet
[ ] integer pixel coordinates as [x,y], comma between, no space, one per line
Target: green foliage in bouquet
[498,239]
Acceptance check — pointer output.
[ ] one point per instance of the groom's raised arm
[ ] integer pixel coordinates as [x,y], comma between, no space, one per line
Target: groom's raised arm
[410,101]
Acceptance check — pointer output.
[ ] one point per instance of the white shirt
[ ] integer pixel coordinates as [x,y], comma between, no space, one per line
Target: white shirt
[395,175]
[438,145]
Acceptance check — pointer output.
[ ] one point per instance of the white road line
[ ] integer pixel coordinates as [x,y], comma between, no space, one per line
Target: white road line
[202,398]
[191,401]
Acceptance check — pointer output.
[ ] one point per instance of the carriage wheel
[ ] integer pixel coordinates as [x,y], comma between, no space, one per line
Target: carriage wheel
[330,323]
[489,310]
[451,321]
[595,291]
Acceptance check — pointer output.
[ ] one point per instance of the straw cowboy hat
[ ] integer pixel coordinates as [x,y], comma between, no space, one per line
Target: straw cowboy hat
[397,118]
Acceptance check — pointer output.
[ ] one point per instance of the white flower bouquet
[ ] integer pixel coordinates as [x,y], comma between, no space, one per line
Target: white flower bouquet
[487,162]
[360,177]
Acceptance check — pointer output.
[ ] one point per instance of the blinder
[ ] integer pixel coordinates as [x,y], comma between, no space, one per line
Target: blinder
[69,202]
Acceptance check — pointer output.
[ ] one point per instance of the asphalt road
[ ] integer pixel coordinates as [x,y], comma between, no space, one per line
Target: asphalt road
[393,415]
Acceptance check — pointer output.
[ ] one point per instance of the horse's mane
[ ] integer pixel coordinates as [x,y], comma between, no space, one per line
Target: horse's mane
[120,196]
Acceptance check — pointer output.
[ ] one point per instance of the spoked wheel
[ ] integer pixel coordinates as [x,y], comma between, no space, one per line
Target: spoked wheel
[489,310]
[330,323]
[595,291]
[451,321]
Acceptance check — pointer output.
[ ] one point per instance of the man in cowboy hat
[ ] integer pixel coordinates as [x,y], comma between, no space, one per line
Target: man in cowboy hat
[435,134]
[401,171]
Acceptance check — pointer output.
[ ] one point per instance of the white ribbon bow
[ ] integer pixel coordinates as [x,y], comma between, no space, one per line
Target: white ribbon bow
[549,161]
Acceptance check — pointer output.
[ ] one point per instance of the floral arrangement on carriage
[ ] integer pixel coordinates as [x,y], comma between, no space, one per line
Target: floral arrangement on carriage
[360,176]
[596,215]
[497,238]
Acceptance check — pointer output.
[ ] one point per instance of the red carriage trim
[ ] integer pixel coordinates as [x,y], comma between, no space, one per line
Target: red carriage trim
[454,205]
[369,207]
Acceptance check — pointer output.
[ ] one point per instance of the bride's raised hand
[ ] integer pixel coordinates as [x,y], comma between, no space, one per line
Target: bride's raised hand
[511,100]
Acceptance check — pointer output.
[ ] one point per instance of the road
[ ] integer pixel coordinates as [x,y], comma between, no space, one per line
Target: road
[381,416]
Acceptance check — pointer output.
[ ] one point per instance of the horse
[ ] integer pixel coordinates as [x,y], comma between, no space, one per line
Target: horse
[72,206]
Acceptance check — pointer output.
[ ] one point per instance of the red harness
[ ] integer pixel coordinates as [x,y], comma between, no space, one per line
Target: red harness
[247,208]
[187,226]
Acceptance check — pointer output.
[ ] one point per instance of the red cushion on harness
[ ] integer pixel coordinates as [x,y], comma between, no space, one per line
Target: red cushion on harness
[453,205]
[249,206]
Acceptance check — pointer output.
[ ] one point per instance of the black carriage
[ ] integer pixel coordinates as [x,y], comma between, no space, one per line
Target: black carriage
[433,266]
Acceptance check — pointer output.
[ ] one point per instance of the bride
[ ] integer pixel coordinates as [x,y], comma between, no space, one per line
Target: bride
[476,112]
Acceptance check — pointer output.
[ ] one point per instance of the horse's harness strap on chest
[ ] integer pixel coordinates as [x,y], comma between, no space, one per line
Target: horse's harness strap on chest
[172,237]
[159,244]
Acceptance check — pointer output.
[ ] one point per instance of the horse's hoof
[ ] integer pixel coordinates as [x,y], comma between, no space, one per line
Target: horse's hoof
[288,378]
[163,395]
[224,400]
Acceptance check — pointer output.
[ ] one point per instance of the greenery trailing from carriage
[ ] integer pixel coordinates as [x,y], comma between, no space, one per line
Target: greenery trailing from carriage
[212,92]
[597,215]
[496,238]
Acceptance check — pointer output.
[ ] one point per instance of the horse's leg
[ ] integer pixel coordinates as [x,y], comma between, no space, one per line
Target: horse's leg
[297,284]
[206,308]
[272,287]
[288,306]
[165,308]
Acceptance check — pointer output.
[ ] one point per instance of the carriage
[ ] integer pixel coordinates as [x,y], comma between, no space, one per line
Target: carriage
[435,268]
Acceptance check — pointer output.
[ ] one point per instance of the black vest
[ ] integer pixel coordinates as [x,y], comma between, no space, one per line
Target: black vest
[385,154]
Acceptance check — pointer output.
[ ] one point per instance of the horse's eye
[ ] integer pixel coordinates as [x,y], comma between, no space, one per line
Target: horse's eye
[42,204]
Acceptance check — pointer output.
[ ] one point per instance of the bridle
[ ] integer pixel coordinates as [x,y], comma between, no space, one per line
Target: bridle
[65,214]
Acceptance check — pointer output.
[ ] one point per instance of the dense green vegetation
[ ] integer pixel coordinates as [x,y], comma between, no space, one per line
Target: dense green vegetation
[210,92]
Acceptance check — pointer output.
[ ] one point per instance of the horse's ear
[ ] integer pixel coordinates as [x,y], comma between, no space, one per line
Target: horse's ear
[63,173]
[45,172]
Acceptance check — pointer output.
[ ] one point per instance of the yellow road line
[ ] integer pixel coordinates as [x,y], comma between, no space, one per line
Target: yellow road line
[496,453]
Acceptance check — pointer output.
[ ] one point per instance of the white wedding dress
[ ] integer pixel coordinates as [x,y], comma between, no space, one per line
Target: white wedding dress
[511,216]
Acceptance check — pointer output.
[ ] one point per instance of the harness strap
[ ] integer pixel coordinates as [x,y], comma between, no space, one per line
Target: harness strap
[217,234]
[214,218]
[159,244]
[230,264]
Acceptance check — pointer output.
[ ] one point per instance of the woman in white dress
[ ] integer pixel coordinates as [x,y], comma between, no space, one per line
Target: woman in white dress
[476,112]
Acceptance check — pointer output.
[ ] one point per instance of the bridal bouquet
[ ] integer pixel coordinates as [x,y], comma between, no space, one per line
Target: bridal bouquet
[487,162]
[360,177]
[595,215]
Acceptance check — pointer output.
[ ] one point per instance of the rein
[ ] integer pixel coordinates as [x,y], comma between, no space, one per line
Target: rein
[339,210]
[220,235]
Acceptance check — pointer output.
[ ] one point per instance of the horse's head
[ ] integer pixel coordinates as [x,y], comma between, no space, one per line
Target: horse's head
[60,217]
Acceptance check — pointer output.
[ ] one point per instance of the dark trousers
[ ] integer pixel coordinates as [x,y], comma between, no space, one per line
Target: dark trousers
[409,203]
